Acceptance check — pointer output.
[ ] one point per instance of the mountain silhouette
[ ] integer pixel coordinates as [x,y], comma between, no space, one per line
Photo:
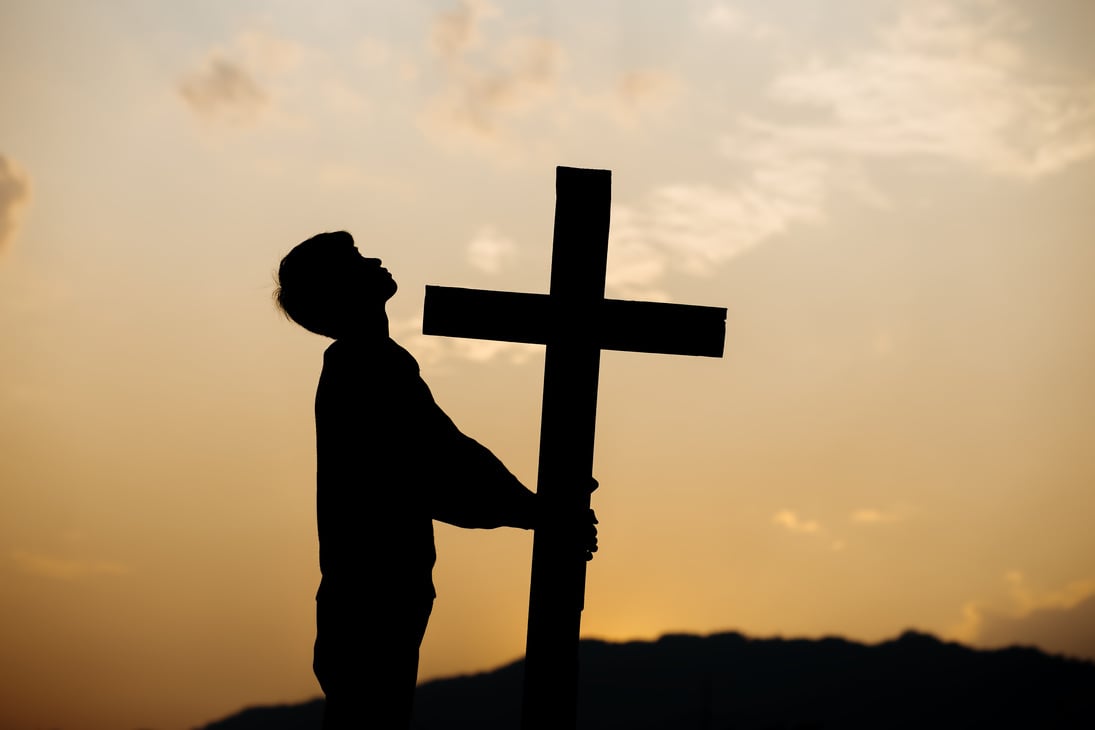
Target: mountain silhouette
[730,682]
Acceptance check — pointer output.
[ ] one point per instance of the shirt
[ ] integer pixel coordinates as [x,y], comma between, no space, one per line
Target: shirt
[389,462]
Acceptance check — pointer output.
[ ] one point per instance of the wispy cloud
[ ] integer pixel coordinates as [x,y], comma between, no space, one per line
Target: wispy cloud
[1027,598]
[1059,620]
[374,53]
[697,227]
[489,251]
[433,350]
[229,84]
[456,31]
[870,516]
[946,81]
[725,18]
[644,87]
[949,81]
[487,86]
[791,521]
[50,566]
[635,96]
[497,81]
[224,90]
[14,196]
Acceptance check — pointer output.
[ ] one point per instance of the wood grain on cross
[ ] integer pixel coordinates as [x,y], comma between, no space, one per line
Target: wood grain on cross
[576,322]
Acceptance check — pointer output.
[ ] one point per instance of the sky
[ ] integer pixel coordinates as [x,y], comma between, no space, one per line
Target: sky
[892,198]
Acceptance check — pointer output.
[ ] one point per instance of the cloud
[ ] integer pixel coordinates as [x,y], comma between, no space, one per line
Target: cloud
[482,95]
[725,19]
[1060,630]
[492,83]
[697,227]
[635,264]
[1060,620]
[374,53]
[266,53]
[949,81]
[48,566]
[482,351]
[456,31]
[224,90]
[1027,599]
[635,95]
[14,196]
[232,84]
[642,87]
[490,252]
[968,626]
[874,517]
[435,350]
[790,520]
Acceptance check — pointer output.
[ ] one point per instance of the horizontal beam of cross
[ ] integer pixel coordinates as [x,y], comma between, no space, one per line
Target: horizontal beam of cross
[630,326]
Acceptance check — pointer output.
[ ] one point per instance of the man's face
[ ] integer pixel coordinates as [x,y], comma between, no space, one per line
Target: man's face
[368,276]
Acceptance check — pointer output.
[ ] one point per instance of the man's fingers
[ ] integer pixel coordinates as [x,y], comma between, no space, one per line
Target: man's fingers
[591,542]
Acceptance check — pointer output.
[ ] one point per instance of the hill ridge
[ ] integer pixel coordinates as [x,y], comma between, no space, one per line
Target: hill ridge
[728,680]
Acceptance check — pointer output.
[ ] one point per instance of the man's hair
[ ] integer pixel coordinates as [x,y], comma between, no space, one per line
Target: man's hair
[308,287]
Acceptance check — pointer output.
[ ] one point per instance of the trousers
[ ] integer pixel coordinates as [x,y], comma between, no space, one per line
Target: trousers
[366,658]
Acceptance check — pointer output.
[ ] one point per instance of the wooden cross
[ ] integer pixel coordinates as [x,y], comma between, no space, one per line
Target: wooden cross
[576,322]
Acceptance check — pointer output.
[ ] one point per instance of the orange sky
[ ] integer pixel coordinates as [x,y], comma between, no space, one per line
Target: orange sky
[892,199]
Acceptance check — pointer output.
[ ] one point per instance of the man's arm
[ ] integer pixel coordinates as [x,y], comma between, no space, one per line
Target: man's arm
[468,486]
[496,498]
[471,487]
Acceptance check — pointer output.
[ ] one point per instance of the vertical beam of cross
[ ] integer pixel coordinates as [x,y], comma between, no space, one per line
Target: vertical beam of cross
[576,322]
[567,428]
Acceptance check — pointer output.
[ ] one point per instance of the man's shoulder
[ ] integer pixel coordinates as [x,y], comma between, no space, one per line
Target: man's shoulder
[349,348]
[383,353]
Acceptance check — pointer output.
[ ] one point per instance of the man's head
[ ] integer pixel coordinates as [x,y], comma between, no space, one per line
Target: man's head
[326,286]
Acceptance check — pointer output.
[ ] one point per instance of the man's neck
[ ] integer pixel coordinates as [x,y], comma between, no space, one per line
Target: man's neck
[369,326]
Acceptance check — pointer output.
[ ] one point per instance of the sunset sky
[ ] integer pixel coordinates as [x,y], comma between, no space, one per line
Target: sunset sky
[895,200]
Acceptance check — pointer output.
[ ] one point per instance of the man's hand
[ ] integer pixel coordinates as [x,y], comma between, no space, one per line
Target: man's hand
[591,536]
[590,529]
[579,525]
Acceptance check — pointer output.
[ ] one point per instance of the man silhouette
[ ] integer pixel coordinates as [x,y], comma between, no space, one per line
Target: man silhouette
[389,461]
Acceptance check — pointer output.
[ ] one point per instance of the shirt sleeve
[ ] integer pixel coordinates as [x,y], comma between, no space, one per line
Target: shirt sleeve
[470,486]
[395,429]
[474,489]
